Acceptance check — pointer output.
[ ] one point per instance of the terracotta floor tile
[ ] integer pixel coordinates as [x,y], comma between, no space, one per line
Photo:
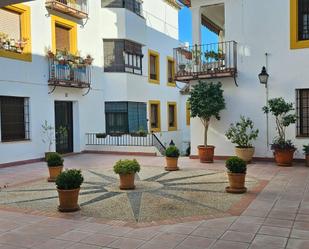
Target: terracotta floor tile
[83,246]
[208,233]
[278,223]
[269,241]
[245,227]
[297,244]
[22,240]
[238,236]
[300,234]
[126,243]
[275,231]
[301,225]
[196,243]
[221,244]
[74,235]
[99,239]
[54,244]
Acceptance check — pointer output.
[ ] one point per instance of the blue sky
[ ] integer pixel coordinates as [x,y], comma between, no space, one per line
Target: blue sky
[185,30]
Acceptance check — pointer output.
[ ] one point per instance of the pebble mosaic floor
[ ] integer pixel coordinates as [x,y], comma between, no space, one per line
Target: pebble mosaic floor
[159,195]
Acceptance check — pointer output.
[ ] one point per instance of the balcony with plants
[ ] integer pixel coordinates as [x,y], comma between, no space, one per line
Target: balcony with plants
[208,61]
[75,8]
[68,70]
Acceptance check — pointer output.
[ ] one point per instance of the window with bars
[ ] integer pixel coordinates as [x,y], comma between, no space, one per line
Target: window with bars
[14,118]
[302,108]
[122,56]
[154,67]
[303,20]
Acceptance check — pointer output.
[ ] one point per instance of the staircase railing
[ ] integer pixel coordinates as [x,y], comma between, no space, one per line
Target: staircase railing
[158,144]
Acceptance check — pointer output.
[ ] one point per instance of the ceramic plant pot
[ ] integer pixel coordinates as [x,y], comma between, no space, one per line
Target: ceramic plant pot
[171,163]
[245,154]
[127,181]
[68,200]
[206,153]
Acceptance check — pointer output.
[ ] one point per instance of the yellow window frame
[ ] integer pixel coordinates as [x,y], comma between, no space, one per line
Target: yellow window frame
[157,55]
[172,83]
[295,43]
[72,26]
[188,114]
[25,19]
[174,104]
[158,103]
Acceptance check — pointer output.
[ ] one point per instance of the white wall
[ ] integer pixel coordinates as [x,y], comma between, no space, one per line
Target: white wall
[157,31]
[258,29]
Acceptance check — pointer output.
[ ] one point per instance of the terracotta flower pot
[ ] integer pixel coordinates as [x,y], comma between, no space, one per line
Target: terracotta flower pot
[171,163]
[284,157]
[307,160]
[206,153]
[237,181]
[127,181]
[54,172]
[68,200]
[245,154]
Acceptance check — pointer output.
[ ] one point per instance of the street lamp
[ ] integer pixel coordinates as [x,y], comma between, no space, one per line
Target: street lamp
[263,76]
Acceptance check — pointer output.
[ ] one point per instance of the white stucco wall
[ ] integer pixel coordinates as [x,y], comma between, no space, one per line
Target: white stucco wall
[258,29]
[29,79]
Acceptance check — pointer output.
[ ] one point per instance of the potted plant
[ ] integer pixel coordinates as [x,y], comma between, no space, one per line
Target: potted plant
[242,133]
[126,170]
[68,185]
[55,165]
[236,171]
[171,156]
[139,133]
[48,136]
[283,148]
[206,101]
[306,152]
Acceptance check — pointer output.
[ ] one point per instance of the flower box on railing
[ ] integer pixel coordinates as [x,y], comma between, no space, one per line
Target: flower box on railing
[10,44]
[75,8]
[69,70]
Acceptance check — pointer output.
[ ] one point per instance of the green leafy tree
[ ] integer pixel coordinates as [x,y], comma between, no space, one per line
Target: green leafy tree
[206,101]
[242,133]
[281,109]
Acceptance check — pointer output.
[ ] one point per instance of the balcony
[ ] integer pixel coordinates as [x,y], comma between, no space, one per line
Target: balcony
[69,72]
[75,8]
[208,61]
[134,6]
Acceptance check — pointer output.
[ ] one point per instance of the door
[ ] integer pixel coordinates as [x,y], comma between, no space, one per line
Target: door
[64,126]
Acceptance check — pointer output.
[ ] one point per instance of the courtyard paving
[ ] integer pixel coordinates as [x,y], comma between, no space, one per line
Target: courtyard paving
[273,214]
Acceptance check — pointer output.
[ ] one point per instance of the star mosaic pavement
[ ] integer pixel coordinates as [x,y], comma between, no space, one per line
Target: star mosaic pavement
[159,195]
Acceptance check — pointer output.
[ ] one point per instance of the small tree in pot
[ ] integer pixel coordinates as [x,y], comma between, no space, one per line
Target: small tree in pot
[283,149]
[55,165]
[206,101]
[242,133]
[171,155]
[126,170]
[68,185]
[236,171]
[48,136]
[306,152]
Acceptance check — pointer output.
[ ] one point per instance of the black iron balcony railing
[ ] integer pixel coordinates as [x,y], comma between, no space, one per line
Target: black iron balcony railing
[215,60]
[66,75]
[75,8]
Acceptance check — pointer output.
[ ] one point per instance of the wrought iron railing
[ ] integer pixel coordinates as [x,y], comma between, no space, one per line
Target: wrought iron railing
[208,59]
[78,5]
[68,75]
[125,140]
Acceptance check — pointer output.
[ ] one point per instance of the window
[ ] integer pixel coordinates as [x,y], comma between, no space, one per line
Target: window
[302,108]
[299,29]
[15,32]
[170,72]
[188,114]
[125,117]
[64,35]
[14,118]
[133,5]
[154,114]
[172,116]
[154,67]
[122,56]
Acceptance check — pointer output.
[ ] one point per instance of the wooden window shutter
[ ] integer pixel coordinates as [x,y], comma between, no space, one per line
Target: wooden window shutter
[10,24]
[62,38]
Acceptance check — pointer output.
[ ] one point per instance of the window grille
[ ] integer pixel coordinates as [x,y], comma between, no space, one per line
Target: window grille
[302,108]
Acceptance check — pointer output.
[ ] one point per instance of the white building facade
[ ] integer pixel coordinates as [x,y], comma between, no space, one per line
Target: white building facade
[129,85]
[253,34]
